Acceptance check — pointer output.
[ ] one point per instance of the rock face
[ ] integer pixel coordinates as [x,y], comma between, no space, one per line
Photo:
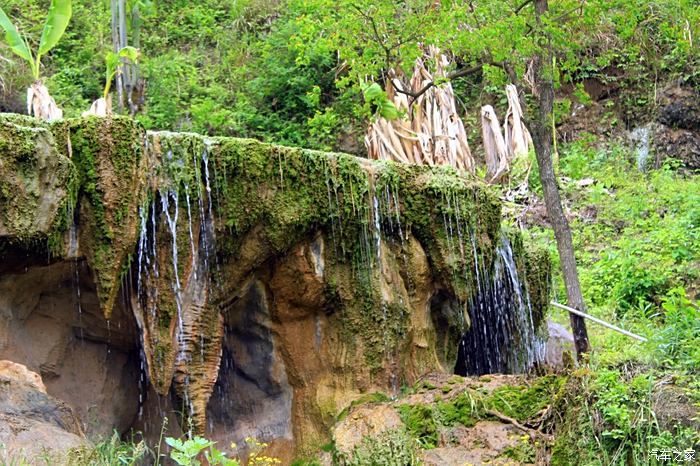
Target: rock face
[681,108]
[51,321]
[34,179]
[256,290]
[32,423]
[559,343]
[676,132]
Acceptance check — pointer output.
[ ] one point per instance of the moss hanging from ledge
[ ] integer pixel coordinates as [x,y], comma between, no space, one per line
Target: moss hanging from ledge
[537,266]
[108,155]
[442,208]
[288,193]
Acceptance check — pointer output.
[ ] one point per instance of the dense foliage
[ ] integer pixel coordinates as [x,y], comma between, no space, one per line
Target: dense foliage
[292,71]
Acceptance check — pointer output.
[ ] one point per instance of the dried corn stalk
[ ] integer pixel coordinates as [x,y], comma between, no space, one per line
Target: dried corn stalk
[41,104]
[101,107]
[431,132]
[517,137]
[495,149]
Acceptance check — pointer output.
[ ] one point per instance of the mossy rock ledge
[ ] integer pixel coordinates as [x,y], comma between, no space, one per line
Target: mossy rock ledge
[351,276]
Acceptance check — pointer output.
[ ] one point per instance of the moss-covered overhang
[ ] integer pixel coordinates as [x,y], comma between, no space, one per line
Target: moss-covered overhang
[113,166]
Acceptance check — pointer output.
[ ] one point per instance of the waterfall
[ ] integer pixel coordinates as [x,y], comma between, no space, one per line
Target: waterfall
[180,211]
[640,137]
[502,337]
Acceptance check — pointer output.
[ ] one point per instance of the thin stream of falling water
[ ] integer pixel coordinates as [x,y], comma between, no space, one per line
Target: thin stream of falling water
[143,238]
[109,338]
[189,224]
[502,337]
[172,225]
[208,228]
[340,215]
[202,216]
[377,230]
[458,222]
[331,210]
[73,248]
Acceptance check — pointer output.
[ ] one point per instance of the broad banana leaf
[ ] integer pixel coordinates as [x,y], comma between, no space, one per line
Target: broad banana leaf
[14,38]
[56,22]
[112,61]
[130,53]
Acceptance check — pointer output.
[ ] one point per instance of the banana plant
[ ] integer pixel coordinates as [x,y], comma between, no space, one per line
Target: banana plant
[103,105]
[113,60]
[38,99]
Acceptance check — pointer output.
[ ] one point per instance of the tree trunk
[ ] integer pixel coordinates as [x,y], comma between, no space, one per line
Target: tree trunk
[134,67]
[123,75]
[543,90]
[116,47]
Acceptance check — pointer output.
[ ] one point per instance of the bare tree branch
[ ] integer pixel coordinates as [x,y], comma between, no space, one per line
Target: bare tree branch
[450,76]
[522,5]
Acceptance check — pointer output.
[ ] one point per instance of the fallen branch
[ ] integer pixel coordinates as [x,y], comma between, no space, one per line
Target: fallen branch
[533,433]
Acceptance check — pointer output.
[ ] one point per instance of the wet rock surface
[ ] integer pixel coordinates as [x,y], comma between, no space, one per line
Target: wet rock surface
[50,320]
[34,179]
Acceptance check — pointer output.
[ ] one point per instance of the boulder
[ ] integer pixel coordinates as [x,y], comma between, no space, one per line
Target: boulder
[560,342]
[33,424]
[368,420]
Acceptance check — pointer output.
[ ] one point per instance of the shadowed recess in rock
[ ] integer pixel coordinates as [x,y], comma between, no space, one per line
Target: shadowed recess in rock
[502,335]
[252,397]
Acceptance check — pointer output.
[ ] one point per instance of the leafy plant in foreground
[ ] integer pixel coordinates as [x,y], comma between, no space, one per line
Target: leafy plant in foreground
[190,451]
[38,99]
[103,105]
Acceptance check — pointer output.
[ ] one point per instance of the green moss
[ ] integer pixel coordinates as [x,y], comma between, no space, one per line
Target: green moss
[538,273]
[462,409]
[455,379]
[420,424]
[35,181]
[284,194]
[526,402]
[423,385]
[524,452]
[108,154]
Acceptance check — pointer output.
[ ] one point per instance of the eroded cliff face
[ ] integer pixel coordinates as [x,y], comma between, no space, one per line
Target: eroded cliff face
[245,289]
